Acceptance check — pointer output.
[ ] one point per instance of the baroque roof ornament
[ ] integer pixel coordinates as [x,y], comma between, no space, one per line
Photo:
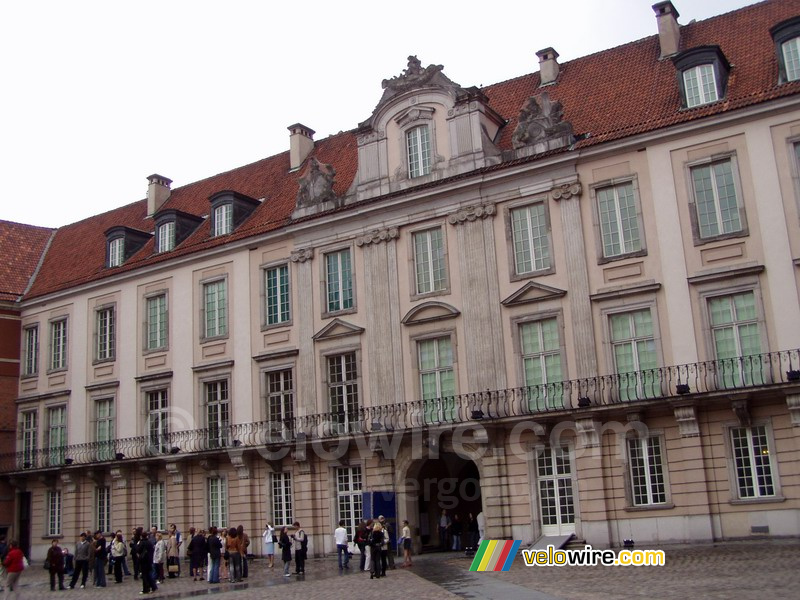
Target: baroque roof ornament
[316,184]
[413,76]
[541,121]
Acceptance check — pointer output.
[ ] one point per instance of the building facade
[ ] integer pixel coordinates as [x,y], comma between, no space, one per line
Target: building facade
[568,301]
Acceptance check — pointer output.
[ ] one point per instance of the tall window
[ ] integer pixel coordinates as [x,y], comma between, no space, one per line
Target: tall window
[157,322]
[343,391]
[646,462]
[348,492]
[53,513]
[737,340]
[56,434]
[58,344]
[635,356]
[217,413]
[158,420]
[437,381]
[157,505]
[280,403]
[30,433]
[30,351]
[752,462]
[791,58]
[418,145]
[700,85]
[531,244]
[276,283]
[282,499]
[541,360]
[716,202]
[223,219]
[116,252]
[339,280]
[429,261]
[104,432]
[619,223]
[217,502]
[104,348]
[103,497]
[166,236]
[216,308]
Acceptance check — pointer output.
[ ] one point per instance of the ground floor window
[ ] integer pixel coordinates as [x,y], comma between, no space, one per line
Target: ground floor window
[217,502]
[282,500]
[156,495]
[646,462]
[752,462]
[53,513]
[348,488]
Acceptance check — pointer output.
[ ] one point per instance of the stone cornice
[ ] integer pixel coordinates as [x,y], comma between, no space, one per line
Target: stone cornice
[301,255]
[567,191]
[472,213]
[378,236]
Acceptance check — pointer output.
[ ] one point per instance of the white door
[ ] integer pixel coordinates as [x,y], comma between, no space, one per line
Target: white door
[556,500]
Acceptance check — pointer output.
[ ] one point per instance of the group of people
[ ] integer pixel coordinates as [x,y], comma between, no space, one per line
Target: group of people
[373,539]
[291,543]
[458,533]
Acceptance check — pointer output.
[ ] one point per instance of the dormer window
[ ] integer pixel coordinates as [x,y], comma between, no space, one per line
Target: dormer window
[418,145]
[703,75]
[787,48]
[223,220]
[228,211]
[122,243]
[165,237]
[116,252]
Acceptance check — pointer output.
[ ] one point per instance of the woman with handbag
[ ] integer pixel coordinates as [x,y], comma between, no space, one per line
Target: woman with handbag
[173,566]
[285,544]
[55,564]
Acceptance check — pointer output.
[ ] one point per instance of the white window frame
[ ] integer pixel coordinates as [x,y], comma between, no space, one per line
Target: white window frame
[158,418]
[57,434]
[741,365]
[102,495]
[282,498]
[419,151]
[215,322]
[523,220]
[30,351]
[217,404]
[223,219]
[54,506]
[104,430]
[29,431]
[439,407]
[348,388]
[613,225]
[645,382]
[156,309]
[349,483]
[58,344]
[105,334]
[157,505]
[429,249]
[217,506]
[338,284]
[647,473]
[277,295]
[279,385]
[547,394]
[790,49]
[116,252]
[166,237]
[701,236]
[739,470]
[703,79]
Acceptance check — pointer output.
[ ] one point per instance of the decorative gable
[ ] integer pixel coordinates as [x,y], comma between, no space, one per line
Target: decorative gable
[336,329]
[315,193]
[533,292]
[429,311]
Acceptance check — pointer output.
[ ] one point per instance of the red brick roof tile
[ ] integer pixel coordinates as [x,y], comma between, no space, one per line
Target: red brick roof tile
[21,248]
[608,95]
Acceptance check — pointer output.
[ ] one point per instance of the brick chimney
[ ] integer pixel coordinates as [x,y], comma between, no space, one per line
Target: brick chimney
[157,192]
[669,32]
[301,143]
[548,66]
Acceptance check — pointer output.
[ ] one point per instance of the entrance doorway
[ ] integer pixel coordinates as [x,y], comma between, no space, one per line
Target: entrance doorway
[556,495]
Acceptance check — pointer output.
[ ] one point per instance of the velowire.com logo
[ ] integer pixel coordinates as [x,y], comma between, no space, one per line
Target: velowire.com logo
[495,555]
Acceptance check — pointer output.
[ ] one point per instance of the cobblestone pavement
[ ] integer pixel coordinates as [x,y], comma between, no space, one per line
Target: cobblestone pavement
[753,569]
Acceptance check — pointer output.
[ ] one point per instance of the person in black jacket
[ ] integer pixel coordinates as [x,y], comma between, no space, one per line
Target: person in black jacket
[144,549]
[285,544]
[55,562]
[376,542]
[134,556]
[197,550]
[215,550]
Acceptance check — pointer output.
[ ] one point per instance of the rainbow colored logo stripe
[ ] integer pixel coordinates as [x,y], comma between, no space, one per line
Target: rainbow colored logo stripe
[495,555]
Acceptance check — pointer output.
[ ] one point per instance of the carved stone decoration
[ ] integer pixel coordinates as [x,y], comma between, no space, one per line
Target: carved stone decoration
[412,76]
[588,432]
[567,191]
[472,213]
[686,416]
[175,471]
[742,412]
[209,465]
[541,124]
[68,483]
[378,236]
[793,403]
[119,478]
[301,255]
[240,464]
[316,185]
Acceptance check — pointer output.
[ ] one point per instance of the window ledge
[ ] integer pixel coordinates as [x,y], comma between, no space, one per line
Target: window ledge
[60,536]
[337,313]
[102,361]
[274,326]
[442,292]
[617,257]
[701,241]
[58,370]
[152,351]
[27,376]
[216,338]
[648,507]
[767,500]
[522,276]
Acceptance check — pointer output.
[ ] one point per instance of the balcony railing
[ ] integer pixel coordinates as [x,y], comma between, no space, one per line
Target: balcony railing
[757,371]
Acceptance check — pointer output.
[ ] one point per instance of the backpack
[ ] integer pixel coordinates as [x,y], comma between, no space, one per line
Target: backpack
[304,542]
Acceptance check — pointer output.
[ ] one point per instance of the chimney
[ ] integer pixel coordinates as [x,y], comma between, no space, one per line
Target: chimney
[301,143]
[669,32]
[157,192]
[548,66]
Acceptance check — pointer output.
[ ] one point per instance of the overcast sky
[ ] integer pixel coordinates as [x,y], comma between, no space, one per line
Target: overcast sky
[98,95]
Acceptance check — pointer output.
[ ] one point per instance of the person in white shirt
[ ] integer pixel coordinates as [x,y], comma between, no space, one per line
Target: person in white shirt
[340,535]
[269,543]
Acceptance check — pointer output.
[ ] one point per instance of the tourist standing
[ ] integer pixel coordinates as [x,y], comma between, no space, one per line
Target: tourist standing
[159,557]
[406,544]
[234,549]
[340,537]
[215,554]
[82,550]
[14,564]
[134,556]
[444,527]
[55,562]
[387,535]
[481,527]
[300,549]
[145,551]
[285,544]
[361,541]
[456,529]
[244,543]
[375,544]
[472,533]
[118,555]
[173,560]
[173,532]
[269,544]
[197,553]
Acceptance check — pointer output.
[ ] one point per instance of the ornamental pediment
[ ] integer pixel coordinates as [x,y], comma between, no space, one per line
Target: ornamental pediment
[430,311]
[337,328]
[533,292]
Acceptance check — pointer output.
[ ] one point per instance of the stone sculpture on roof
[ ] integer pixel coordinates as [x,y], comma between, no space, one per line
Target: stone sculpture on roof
[413,76]
[541,124]
[316,185]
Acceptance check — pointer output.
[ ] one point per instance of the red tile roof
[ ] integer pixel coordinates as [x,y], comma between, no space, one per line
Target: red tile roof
[606,96]
[21,247]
